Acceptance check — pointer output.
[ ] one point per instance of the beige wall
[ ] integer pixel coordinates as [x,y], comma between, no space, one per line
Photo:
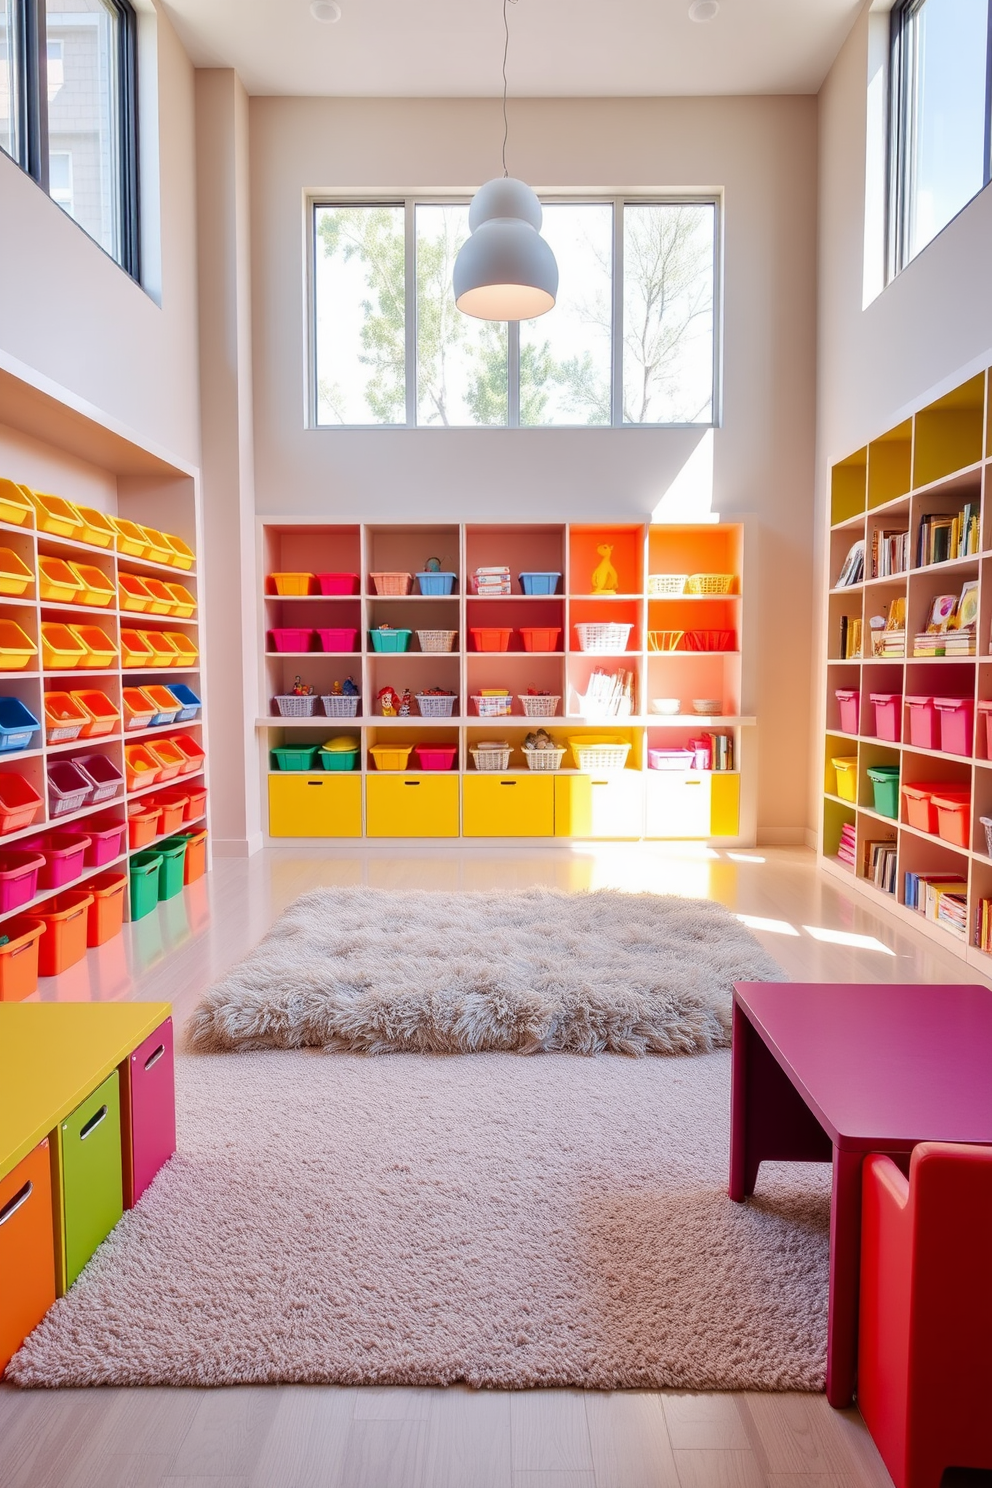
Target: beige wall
[761,153]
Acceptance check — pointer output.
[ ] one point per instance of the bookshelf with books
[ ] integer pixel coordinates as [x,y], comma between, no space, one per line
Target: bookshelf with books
[907,675]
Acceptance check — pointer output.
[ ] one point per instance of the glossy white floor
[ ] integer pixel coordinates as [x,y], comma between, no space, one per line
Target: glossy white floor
[310,1437]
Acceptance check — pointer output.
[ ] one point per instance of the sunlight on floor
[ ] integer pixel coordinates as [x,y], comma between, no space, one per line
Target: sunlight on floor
[776,927]
[845,938]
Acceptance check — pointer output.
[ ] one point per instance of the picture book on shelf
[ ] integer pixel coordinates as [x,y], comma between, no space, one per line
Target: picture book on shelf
[942,536]
[853,568]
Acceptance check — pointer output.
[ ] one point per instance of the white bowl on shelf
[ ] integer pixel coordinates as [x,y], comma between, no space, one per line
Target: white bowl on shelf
[707,707]
[667,706]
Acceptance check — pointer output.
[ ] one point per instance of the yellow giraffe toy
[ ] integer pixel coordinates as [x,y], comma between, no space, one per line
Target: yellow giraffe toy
[604,577]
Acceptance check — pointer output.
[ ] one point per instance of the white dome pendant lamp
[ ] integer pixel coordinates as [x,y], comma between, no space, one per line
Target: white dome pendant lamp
[505,270]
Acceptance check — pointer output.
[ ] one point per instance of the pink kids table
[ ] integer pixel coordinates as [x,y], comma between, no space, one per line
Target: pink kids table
[827,1071]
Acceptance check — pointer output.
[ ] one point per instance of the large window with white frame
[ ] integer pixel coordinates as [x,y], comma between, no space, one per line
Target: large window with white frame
[941,117]
[632,339]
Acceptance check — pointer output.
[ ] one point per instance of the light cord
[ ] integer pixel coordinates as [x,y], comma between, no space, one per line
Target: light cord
[506,48]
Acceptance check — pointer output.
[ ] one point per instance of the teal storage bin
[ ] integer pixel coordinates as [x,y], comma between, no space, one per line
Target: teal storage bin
[339,759]
[885,783]
[170,877]
[144,869]
[92,1177]
[390,640]
[295,757]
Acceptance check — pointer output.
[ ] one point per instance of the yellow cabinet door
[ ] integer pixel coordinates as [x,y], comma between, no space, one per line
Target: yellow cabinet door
[416,805]
[323,805]
[678,803]
[725,812]
[607,805]
[508,805]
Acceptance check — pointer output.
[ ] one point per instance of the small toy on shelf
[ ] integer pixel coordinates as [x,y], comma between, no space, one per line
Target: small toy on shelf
[389,701]
[348,688]
[301,688]
[406,703]
[336,689]
[604,575]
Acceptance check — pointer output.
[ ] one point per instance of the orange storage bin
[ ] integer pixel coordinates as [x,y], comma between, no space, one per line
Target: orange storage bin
[135,650]
[65,920]
[130,539]
[97,591]
[16,506]
[19,960]
[186,653]
[490,637]
[61,649]
[161,599]
[64,718]
[195,865]
[921,810]
[181,555]
[58,582]
[194,798]
[27,1249]
[141,767]
[20,803]
[169,758]
[159,550]
[56,515]
[171,807]
[133,593]
[183,603]
[953,810]
[142,824]
[105,917]
[139,709]
[193,751]
[101,653]
[160,644]
[15,576]
[102,716]
[16,648]
[98,529]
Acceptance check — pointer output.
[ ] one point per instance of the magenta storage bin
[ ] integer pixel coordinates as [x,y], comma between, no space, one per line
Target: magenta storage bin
[957,717]
[337,638]
[107,779]
[337,583]
[106,842]
[291,638]
[924,730]
[148,1117]
[435,756]
[64,855]
[69,789]
[19,878]
[850,709]
[888,715]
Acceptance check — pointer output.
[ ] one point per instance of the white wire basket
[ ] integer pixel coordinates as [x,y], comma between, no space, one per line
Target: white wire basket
[493,707]
[603,636]
[433,705]
[341,704]
[599,755]
[491,757]
[290,705]
[539,706]
[667,583]
[544,759]
[436,640]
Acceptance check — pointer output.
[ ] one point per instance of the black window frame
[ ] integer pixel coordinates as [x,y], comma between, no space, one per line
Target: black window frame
[29,56]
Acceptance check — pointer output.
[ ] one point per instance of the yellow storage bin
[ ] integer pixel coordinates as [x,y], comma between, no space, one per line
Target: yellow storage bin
[161,599]
[16,648]
[61,648]
[186,653]
[97,591]
[16,506]
[846,769]
[318,805]
[58,582]
[56,515]
[135,650]
[15,576]
[391,756]
[420,805]
[163,651]
[183,603]
[101,651]
[159,551]
[181,554]
[495,805]
[133,593]
[98,530]
[130,538]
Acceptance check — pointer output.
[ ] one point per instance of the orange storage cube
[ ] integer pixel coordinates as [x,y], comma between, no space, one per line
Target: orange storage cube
[133,593]
[159,551]
[135,650]
[61,649]
[27,1249]
[105,917]
[183,603]
[131,540]
[102,716]
[16,648]
[186,653]
[142,824]
[98,529]
[181,554]
[193,751]
[171,807]
[168,757]
[101,653]
[19,963]
[141,767]
[167,706]
[97,591]
[195,865]
[160,644]
[65,921]
[196,805]
[19,802]
[953,810]
[139,709]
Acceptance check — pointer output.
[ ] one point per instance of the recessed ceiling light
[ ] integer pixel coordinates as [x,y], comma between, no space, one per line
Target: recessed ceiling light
[325,10]
[703,10]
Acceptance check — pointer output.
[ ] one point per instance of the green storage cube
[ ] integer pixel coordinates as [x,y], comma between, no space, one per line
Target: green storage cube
[144,869]
[339,759]
[92,1182]
[885,783]
[296,757]
[390,640]
[170,877]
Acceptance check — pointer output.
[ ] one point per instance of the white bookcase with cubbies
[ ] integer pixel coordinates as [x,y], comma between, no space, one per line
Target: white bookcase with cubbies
[503,647]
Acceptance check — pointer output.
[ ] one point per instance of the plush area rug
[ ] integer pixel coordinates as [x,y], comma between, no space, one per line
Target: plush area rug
[376,971]
[423,1220]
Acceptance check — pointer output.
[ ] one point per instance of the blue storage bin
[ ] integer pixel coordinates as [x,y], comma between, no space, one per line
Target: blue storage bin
[17,725]
[436,583]
[539,583]
[191,704]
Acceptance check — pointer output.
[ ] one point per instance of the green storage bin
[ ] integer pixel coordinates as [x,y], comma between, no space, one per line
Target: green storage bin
[170,878]
[92,1183]
[339,759]
[144,869]
[296,757]
[885,783]
[390,640]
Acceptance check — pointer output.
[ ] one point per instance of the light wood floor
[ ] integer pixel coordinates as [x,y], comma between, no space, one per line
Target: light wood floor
[325,1437]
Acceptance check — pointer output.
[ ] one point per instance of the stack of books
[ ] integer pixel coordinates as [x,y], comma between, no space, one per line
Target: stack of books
[492,581]
[721,751]
[847,849]
[889,553]
[880,864]
[927,893]
[949,910]
[889,642]
[983,925]
[928,644]
[960,643]
[850,636]
[943,536]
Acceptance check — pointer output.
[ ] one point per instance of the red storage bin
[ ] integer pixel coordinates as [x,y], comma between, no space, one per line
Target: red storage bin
[27,1249]
[65,922]
[193,752]
[435,756]
[171,807]
[924,730]
[888,715]
[142,825]
[953,809]
[337,583]
[920,809]
[102,714]
[64,857]
[196,805]
[490,638]
[19,802]
[337,638]
[291,638]
[957,719]
[19,877]
[106,841]
[105,916]
[540,637]
[19,958]
[148,1111]
[850,708]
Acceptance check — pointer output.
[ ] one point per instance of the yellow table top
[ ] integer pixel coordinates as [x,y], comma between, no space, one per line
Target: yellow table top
[53,1054]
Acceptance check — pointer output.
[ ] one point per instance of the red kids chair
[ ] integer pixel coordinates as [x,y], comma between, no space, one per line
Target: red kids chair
[925,1331]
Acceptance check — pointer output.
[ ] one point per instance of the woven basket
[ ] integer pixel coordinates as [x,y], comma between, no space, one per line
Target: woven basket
[664,640]
[539,707]
[491,759]
[436,640]
[493,707]
[600,756]
[433,706]
[544,759]
[341,704]
[603,636]
[292,706]
[710,583]
[392,583]
[710,640]
[667,583]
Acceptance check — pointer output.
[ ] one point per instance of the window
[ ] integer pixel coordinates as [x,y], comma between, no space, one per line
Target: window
[631,339]
[67,111]
[941,96]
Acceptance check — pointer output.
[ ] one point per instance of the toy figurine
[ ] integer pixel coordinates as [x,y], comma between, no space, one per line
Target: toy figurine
[336,689]
[349,689]
[604,577]
[301,688]
[389,700]
[406,703]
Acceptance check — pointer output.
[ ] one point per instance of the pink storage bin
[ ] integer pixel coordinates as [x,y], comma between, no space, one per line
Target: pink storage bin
[338,583]
[435,756]
[337,638]
[19,877]
[291,638]
[957,717]
[888,715]
[924,729]
[106,841]
[64,856]
[107,779]
[850,709]
[985,709]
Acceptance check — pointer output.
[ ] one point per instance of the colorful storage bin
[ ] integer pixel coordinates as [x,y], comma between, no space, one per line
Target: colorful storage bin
[337,638]
[101,713]
[140,767]
[391,756]
[540,637]
[58,583]
[164,651]
[133,593]
[19,871]
[16,648]
[195,864]
[293,583]
[170,878]
[540,583]
[64,941]
[885,785]
[157,550]
[392,583]
[169,758]
[63,858]
[27,1246]
[143,872]
[183,603]
[171,807]
[181,555]
[924,728]
[490,637]
[846,771]
[192,752]
[98,529]
[957,724]
[15,576]
[298,757]
[438,582]
[64,718]
[97,590]
[337,583]
[106,840]
[54,514]
[19,962]
[436,756]
[18,725]
[390,640]
[100,651]
[62,650]
[142,827]
[849,700]
[888,715]
[190,703]
[292,638]
[166,704]
[670,759]
[139,710]
[161,599]
[953,810]
[105,917]
[186,653]
[136,650]
[16,506]
[20,803]
[918,798]
[603,635]
[339,759]
[107,779]
[69,788]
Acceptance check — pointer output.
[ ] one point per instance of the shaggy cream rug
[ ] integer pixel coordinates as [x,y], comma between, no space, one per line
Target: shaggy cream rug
[376,971]
[421,1220]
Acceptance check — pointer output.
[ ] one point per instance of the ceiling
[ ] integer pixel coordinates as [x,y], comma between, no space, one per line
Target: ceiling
[558,48]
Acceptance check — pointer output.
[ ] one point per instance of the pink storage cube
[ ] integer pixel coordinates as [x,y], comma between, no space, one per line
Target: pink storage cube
[148,1115]
[957,716]
[924,730]
[337,638]
[850,709]
[888,715]
[338,583]
[436,756]
[291,638]
[64,854]
[106,842]
[19,877]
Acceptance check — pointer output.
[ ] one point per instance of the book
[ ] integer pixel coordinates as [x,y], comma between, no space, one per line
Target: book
[853,568]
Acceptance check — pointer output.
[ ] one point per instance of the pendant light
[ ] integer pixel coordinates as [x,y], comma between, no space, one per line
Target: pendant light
[505,270]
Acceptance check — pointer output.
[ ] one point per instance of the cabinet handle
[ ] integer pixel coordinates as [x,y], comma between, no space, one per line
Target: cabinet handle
[599,782]
[20,1198]
[93,1123]
[317,783]
[155,1057]
[411,782]
[508,782]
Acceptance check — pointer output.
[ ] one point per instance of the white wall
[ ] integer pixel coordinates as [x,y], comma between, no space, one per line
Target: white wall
[761,152]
